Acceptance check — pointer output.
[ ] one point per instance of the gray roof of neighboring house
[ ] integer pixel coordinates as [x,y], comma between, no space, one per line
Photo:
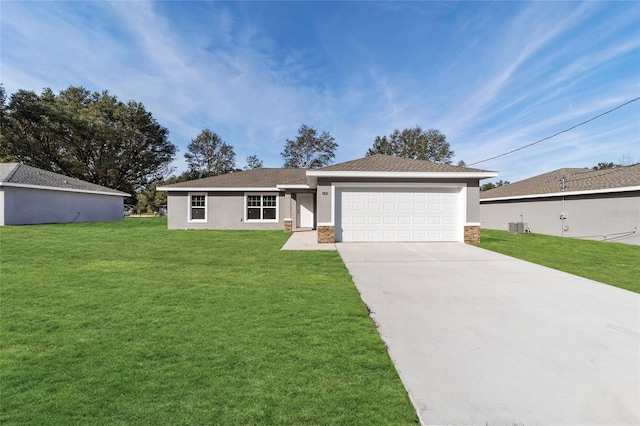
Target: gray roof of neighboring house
[255,178]
[389,163]
[21,174]
[574,180]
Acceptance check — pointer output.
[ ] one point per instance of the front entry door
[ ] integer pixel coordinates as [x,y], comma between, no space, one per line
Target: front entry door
[305,210]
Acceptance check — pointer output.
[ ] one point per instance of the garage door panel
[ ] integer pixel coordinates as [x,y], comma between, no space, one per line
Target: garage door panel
[399,215]
[449,220]
[449,235]
[389,220]
[358,220]
[419,220]
[358,206]
[419,235]
[435,220]
[449,207]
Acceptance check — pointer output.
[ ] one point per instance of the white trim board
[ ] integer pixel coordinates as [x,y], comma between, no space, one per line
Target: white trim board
[219,189]
[397,175]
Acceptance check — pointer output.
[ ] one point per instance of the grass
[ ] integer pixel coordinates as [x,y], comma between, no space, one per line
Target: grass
[616,264]
[129,323]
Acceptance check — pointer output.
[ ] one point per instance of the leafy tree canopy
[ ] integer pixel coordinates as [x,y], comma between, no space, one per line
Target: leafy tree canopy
[603,166]
[490,185]
[309,150]
[253,162]
[87,135]
[430,145]
[149,199]
[209,155]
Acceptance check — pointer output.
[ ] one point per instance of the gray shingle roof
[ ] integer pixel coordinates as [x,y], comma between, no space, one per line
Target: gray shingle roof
[255,178]
[18,173]
[270,177]
[574,180]
[389,163]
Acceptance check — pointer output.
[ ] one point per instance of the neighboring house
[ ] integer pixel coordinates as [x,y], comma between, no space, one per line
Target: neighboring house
[29,195]
[579,203]
[376,198]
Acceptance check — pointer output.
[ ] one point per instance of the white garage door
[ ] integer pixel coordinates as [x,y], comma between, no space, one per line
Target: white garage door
[399,215]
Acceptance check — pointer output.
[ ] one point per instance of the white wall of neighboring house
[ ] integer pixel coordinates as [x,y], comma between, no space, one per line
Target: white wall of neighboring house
[27,206]
[604,217]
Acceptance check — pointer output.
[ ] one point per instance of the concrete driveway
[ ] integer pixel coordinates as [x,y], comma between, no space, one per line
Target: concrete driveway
[479,338]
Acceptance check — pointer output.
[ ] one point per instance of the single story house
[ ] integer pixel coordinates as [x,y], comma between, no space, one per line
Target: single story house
[569,202]
[29,195]
[376,198]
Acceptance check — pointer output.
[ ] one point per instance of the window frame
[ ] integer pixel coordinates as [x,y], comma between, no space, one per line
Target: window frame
[261,207]
[190,206]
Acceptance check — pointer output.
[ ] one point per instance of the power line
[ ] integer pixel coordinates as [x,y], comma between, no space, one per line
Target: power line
[556,134]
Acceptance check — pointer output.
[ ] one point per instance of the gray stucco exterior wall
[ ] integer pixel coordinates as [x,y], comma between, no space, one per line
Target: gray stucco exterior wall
[27,206]
[473,201]
[225,210]
[324,201]
[587,216]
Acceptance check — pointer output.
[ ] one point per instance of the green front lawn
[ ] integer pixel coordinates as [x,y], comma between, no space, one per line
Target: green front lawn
[129,323]
[611,263]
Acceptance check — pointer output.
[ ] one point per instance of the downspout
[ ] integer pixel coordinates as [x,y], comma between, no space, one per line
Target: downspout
[563,216]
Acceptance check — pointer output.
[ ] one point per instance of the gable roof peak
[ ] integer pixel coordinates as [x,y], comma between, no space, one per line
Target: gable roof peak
[392,163]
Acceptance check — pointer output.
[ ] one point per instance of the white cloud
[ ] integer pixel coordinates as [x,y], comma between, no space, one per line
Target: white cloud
[502,80]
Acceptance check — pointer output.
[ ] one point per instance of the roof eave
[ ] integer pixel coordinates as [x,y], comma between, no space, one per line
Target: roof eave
[400,175]
[219,189]
[55,188]
[564,194]
[294,186]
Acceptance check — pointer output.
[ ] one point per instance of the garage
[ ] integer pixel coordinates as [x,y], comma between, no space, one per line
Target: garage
[398,214]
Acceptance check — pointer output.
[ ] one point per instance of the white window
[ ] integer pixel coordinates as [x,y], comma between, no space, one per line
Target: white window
[197,207]
[261,207]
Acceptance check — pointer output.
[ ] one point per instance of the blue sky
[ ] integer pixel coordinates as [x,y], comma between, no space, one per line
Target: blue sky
[491,76]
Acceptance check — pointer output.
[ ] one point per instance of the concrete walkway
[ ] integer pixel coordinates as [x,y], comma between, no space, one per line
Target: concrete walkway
[306,240]
[479,338]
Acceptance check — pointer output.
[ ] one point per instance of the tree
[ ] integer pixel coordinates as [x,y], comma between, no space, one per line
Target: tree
[90,136]
[209,155]
[414,143]
[603,166]
[490,185]
[149,199]
[4,157]
[308,150]
[253,162]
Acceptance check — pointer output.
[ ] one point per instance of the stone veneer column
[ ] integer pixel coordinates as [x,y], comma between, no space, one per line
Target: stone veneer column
[472,234]
[287,225]
[326,235]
